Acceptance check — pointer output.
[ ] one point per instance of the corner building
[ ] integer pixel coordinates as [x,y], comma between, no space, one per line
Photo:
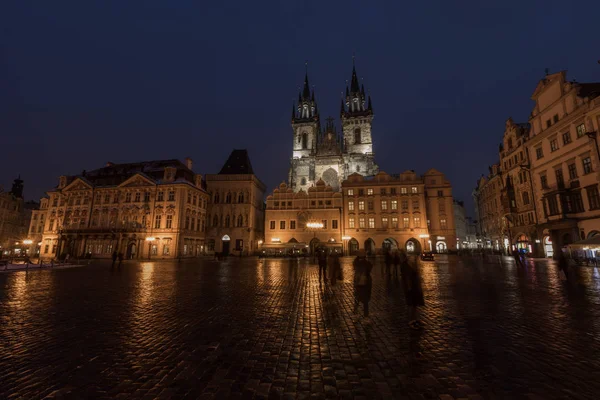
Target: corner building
[150,209]
[399,211]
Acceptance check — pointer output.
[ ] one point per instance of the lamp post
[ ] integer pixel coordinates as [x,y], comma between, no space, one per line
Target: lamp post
[345,241]
[150,239]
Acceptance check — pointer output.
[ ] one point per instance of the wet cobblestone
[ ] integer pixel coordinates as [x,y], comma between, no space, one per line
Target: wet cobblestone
[266,329]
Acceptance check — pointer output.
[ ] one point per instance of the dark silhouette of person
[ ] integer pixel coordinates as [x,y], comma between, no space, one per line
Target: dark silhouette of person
[413,292]
[362,281]
[114,258]
[322,259]
[120,256]
[335,267]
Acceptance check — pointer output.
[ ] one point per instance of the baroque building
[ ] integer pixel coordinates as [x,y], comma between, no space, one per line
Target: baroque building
[236,209]
[150,209]
[327,155]
[488,208]
[15,215]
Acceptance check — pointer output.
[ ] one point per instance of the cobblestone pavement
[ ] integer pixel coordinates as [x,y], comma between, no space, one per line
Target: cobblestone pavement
[247,328]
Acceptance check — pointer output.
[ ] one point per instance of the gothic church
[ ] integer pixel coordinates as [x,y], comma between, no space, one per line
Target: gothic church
[328,155]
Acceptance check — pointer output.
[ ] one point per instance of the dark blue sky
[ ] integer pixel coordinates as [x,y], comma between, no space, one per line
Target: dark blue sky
[86,82]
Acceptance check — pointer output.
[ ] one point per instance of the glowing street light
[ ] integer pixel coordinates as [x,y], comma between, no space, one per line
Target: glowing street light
[314,225]
[27,241]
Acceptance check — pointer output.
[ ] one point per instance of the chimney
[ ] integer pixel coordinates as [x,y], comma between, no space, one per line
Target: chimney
[188,162]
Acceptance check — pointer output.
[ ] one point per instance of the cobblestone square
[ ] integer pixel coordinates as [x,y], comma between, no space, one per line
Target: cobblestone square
[248,328]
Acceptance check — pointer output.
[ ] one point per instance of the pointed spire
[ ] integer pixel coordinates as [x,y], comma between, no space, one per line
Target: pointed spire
[306,91]
[362,90]
[354,86]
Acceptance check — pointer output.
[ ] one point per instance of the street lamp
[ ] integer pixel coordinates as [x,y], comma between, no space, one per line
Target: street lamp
[150,239]
[345,239]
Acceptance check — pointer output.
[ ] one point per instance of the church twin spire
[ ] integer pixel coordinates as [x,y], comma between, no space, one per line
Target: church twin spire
[307,109]
[357,103]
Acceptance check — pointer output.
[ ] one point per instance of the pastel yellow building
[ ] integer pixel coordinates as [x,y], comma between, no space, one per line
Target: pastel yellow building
[299,222]
[152,209]
[565,159]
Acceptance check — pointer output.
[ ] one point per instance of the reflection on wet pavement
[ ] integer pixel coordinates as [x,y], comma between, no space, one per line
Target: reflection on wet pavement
[260,328]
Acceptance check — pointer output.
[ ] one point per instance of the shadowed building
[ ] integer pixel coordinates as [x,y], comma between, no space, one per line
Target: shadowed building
[236,211]
[15,215]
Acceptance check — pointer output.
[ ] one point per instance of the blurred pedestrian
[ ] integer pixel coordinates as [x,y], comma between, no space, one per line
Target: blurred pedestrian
[398,255]
[563,266]
[114,258]
[388,259]
[362,281]
[322,259]
[335,268]
[120,256]
[413,292]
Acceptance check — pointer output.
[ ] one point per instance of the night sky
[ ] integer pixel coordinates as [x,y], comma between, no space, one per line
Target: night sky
[86,82]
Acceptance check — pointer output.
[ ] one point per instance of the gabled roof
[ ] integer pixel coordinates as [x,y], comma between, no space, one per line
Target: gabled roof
[238,163]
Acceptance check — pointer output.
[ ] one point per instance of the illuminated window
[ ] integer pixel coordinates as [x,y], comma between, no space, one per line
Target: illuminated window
[384,222]
[361,222]
[443,223]
[414,189]
[404,190]
[417,221]
[350,192]
[361,205]
[394,204]
[351,223]
[369,192]
[405,222]
[371,223]
[580,130]
[166,250]
[384,205]
[350,206]
[395,222]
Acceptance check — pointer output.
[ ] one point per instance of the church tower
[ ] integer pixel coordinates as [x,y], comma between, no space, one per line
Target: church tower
[306,128]
[357,117]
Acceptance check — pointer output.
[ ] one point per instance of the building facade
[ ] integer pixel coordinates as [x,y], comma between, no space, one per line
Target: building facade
[460,223]
[518,207]
[327,155]
[565,162]
[236,209]
[398,211]
[490,214]
[145,210]
[15,215]
[299,222]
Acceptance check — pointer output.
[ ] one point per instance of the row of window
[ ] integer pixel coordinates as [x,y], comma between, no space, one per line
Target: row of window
[313,203]
[195,199]
[292,224]
[369,223]
[572,202]
[129,198]
[383,191]
[572,171]
[228,221]
[384,205]
[229,198]
[566,139]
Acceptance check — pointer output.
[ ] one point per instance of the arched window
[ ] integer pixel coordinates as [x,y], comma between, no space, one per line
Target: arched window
[216,220]
[525,198]
[227,221]
[241,197]
[240,220]
[357,139]
[228,198]
[305,141]
[216,197]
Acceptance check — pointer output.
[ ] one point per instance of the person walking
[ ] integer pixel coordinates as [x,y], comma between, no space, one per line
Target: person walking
[114,258]
[322,259]
[563,266]
[120,256]
[413,292]
[389,259]
[362,281]
[397,261]
[335,267]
